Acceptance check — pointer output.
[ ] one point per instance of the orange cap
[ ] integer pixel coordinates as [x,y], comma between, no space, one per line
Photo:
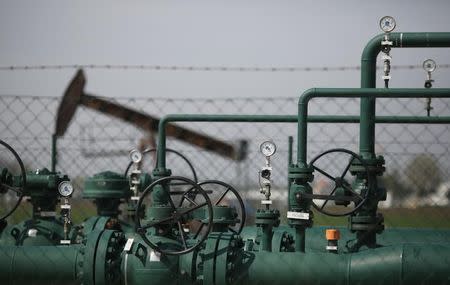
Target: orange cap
[332,234]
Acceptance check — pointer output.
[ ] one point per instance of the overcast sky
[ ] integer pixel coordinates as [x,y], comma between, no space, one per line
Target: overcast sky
[207,33]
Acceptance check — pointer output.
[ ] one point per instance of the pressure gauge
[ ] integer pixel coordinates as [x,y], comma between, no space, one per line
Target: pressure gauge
[65,188]
[429,65]
[268,148]
[136,156]
[387,24]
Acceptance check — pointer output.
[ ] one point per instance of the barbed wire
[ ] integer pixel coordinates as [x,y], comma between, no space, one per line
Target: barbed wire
[202,68]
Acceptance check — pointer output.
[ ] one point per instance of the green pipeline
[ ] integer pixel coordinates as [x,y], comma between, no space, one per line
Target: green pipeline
[280,119]
[401,264]
[353,93]
[368,74]
[39,264]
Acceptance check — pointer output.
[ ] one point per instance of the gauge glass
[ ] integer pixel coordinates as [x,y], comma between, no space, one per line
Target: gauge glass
[387,24]
[65,188]
[429,65]
[268,148]
[136,156]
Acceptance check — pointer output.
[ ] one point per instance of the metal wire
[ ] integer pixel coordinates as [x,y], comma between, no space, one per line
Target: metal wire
[202,68]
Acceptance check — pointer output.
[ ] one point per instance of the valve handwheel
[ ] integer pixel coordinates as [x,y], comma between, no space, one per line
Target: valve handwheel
[214,186]
[179,216]
[349,194]
[4,187]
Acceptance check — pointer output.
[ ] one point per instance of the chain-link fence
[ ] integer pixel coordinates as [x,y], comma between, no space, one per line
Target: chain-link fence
[417,155]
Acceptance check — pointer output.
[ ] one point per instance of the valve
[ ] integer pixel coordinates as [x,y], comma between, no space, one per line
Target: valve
[267,148]
[228,195]
[429,66]
[342,192]
[172,220]
[139,180]
[65,189]
[387,25]
[7,182]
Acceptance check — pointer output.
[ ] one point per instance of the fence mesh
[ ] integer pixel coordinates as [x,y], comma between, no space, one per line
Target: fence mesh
[417,155]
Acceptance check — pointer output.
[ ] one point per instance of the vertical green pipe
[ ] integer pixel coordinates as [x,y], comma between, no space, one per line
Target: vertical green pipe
[290,144]
[266,238]
[299,239]
[302,136]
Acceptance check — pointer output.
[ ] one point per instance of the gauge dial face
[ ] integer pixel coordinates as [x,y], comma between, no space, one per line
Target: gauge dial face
[268,148]
[429,65]
[136,156]
[65,188]
[387,24]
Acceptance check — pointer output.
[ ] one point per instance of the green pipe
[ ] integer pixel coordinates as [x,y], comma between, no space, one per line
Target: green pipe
[161,153]
[352,93]
[266,238]
[401,264]
[290,153]
[300,238]
[368,76]
[39,264]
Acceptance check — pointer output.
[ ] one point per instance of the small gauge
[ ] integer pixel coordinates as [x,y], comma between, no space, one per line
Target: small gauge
[268,148]
[429,65]
[65,188]
[387,24]
[136,156]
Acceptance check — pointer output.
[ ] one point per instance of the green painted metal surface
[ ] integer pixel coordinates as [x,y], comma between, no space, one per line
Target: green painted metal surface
[401,264]
[368,76]
[161,153]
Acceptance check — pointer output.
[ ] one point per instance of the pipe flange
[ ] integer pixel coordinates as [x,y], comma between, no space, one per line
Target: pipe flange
[367,223]
[301,173]
[375,165]
[267,217]
[101,264]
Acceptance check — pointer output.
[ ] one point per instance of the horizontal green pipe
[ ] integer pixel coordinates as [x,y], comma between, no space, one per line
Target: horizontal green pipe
[401,264]
[353,93]
[39,264]
[161,154]
[368,74]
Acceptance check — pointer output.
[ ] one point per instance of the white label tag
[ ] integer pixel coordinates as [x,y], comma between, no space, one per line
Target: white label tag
[266,202]
[32,232]
[135,198]
[65,206]
[64,241]
[298,215]
[155,256]
[47,214]
[128,245]
[332,247]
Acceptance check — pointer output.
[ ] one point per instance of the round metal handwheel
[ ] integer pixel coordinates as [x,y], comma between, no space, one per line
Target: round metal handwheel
[347,194]
[177,218]
[214,187]
[4,187]
[152,150]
